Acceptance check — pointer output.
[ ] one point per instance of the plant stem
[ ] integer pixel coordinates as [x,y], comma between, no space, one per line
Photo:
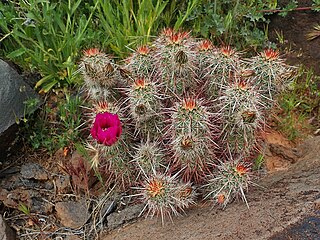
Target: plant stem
[282,10]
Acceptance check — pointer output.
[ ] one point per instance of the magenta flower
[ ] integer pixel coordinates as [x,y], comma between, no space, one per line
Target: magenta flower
[106,128]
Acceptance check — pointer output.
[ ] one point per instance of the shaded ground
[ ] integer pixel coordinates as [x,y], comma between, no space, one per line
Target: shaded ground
[286,197]
[290,34]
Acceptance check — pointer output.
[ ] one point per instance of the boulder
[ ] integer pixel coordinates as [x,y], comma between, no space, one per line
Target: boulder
[33,171]
[14,93]
[72,214]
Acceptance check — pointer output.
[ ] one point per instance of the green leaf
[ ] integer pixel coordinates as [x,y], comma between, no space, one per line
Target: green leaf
[16,53]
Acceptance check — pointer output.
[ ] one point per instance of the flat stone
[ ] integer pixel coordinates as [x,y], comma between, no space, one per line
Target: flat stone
[72,214]
[33,170]
[6,233]
[130,213]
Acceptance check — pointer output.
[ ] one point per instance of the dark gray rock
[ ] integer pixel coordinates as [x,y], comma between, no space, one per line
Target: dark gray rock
[126,215]
[33,171]
[6,233]
[72,214]
[14,93]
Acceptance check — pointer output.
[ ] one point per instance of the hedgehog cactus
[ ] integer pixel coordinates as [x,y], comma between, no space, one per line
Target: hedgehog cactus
[242,113]
[163,195]
[190,139]
[230,181]
[109,146]
[144,107]
[272,73]
[191,116]
[100,74]
[140,63]
[180,139]
[175,59]
[149,157]
[224,64]
[205,53]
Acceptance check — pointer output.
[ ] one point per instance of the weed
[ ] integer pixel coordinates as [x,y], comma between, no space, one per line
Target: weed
[299,104]
[57,125]
[46,37]
[130,24]
[315,33]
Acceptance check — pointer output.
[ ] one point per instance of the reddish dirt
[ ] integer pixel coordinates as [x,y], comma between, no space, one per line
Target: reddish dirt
[273,160]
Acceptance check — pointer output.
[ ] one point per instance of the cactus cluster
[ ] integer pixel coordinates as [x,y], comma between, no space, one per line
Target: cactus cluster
[177,115]
[164,195]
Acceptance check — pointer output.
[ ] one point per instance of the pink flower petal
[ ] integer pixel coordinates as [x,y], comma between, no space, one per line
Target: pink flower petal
[106,128]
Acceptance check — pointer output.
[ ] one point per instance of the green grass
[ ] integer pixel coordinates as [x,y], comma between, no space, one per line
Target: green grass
[58,124]
[47,37]
[300,104]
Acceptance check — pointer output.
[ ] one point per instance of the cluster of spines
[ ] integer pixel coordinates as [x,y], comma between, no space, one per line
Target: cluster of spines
[164,195]
[205,52]
[148,157]
[229,181]
[100,73]
[145,107]
[140,63]
[111,161]
[175,58]
[223,63]
[242,112]
[190,136]
[243,90]
[273,74]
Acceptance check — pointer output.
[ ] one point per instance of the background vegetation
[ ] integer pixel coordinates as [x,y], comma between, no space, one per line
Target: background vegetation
[47,37]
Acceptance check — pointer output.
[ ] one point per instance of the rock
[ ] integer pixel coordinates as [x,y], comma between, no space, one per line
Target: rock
[72,237]
[63,184]
[14,92]
[72,214]
[308,152]
[40,206]
[80,171]
[6,233]
[129,213]
[317,204]
[33,170]
[14,198]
